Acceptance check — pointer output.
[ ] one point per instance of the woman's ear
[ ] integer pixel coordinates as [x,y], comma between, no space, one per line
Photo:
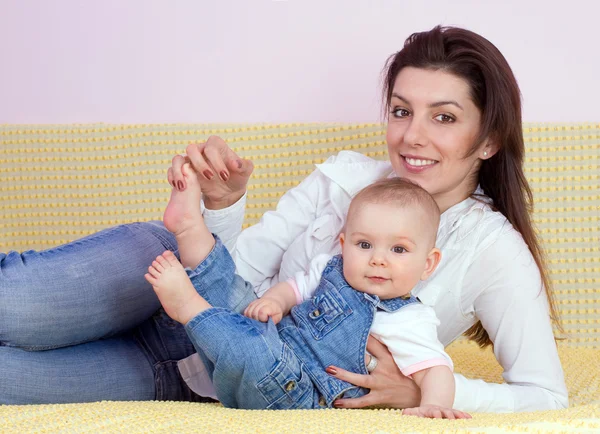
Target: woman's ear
[489,149]
[433,260]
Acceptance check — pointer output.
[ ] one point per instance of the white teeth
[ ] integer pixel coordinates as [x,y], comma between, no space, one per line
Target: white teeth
[416,162]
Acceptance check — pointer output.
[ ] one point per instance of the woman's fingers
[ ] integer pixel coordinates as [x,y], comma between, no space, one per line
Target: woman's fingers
[350,377]
[195,153]
[239,165]
[224,160]
[176,175]
[215,154]
[216,158]
[377,349]
[362,402]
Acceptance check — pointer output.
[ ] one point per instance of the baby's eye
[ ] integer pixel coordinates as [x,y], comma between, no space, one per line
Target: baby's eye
[364,245]
[445,119]
[400,112]
[398,249]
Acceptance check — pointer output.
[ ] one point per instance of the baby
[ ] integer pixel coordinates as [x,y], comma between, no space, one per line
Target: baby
[275,354]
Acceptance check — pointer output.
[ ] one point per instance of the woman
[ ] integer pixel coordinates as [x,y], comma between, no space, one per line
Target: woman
[454,127]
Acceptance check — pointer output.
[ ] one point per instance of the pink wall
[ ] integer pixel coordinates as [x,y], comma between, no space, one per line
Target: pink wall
[142,61]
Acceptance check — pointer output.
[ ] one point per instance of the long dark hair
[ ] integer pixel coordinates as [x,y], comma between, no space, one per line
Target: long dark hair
[495,91]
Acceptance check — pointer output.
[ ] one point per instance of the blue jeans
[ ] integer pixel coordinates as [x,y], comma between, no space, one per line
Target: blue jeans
[79,323]
[251,367]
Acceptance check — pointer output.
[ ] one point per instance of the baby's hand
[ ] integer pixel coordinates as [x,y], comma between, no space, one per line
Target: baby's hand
[435,412]
[263,309]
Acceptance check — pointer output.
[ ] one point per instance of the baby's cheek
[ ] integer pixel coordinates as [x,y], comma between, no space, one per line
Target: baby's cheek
[348,275]
[353,275]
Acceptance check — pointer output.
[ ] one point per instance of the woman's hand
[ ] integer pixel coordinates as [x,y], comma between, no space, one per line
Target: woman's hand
[223,175]
[389,388]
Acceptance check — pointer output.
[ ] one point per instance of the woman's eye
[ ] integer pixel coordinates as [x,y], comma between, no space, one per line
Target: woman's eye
[364,245]
[400,112]
[446,119]
[398,249]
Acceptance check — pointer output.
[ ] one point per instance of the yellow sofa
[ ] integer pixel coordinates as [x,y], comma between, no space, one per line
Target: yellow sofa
[61,182]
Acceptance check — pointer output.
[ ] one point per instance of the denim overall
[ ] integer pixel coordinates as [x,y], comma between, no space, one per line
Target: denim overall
[265,366]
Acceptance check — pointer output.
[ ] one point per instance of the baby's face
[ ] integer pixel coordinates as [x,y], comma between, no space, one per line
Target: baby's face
[386,249]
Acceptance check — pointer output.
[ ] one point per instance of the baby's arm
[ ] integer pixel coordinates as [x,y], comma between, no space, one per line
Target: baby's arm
[275,303]
[437,386]
[411,336]
[280,298]
[437,394]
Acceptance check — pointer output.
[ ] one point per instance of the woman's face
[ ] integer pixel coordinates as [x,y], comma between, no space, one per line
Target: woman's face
[432,124]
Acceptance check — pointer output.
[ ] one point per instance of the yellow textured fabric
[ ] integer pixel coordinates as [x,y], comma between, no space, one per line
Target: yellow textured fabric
[62,182]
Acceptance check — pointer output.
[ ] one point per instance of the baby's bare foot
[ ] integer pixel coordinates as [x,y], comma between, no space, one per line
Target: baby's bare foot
[183,211]
[174,288]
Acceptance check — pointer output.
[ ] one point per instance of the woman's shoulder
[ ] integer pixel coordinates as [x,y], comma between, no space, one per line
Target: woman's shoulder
[501,247]
[348,157]
[353,171]
[486,229]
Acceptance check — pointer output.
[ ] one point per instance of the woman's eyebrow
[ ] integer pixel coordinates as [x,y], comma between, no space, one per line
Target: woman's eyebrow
[441,103]
[432,105]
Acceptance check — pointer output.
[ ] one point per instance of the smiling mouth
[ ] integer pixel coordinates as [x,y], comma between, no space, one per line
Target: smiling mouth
[418,162]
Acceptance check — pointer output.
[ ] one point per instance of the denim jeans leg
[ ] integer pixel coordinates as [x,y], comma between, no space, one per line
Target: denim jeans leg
[165,342]
[251,367]
[112,369]
[216,281]
[85,290]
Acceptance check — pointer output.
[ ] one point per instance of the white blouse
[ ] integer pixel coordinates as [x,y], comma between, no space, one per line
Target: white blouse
[487,273]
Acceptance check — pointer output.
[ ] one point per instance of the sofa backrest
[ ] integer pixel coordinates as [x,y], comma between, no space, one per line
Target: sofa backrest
[62,182]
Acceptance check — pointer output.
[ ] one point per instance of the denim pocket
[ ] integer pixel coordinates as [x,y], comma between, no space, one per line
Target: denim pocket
[287,385]
[325,311]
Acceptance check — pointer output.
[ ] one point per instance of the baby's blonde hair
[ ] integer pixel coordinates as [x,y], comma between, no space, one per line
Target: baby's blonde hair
[400,192]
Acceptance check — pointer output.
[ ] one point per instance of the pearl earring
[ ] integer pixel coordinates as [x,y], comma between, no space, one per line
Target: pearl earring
[485,153]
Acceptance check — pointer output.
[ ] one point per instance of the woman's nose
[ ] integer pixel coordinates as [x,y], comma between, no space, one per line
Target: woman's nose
[415,134]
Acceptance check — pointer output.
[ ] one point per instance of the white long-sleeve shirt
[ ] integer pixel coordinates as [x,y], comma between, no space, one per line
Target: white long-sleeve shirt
[487,273]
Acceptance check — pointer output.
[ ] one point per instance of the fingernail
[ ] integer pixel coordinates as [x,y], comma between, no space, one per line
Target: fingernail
[180,185]
[331,370]
[239,164]
[208,174]
[338,405]
[224,175]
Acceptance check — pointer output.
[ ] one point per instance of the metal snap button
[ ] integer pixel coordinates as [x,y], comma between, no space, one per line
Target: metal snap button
[316,312]
[322,401]
[290,385]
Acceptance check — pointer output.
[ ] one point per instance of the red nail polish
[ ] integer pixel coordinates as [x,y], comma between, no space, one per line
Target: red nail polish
[224,175]
[180,185]
[331,370]
[208,174]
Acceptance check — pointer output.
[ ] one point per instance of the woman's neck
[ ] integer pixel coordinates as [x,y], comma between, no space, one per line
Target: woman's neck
[447,200]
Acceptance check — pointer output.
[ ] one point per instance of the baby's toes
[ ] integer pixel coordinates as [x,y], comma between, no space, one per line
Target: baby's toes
[153,281]
[163,261]
[158,266]
[154,272]
[171,259]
